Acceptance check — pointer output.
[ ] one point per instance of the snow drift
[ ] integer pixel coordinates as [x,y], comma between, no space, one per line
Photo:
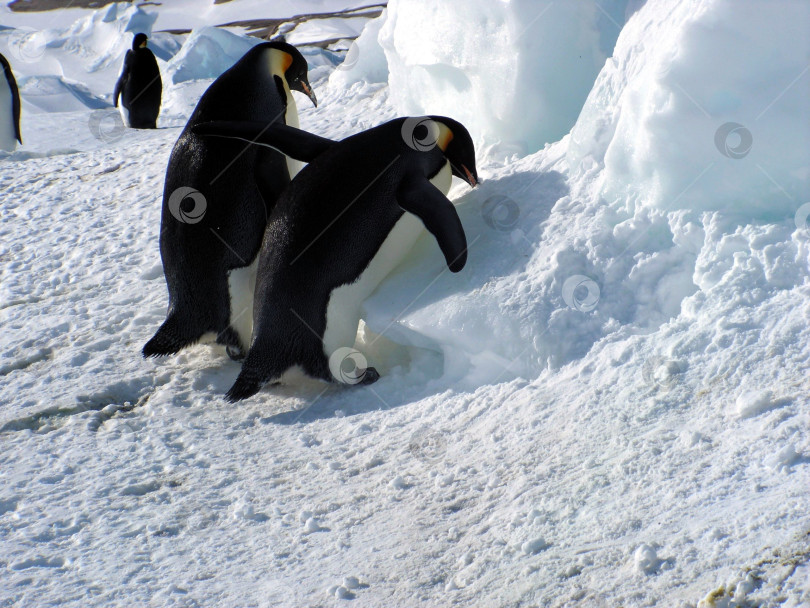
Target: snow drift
[207,53]
[674,130]
[645,160]
[514,72]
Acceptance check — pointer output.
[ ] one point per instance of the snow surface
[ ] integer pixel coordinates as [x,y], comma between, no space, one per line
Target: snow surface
[607,407]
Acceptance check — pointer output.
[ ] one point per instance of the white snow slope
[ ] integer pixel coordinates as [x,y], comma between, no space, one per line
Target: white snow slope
[607,407]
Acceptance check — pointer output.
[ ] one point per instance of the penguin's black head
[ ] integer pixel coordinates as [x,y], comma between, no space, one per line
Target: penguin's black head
[458,149]
[294,67]
[138,41]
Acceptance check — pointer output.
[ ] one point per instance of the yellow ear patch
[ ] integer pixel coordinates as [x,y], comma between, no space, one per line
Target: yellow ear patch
[279,62]
[445,136]
[286,60]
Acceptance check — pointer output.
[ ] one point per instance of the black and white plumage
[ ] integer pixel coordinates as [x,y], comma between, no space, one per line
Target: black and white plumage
[217,196]
[139,87]
[340,227]
[9,109]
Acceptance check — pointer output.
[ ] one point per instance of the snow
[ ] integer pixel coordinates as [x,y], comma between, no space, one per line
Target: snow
[658,104]
[492,64]
[207,53]
[607,406]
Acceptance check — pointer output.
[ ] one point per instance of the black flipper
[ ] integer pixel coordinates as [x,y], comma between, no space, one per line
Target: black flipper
[418,196]
[295,143]
[15,97]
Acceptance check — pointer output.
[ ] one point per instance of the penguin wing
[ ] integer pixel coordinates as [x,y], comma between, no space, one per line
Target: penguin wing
[295,143]
[418,196]
[15,97]
[122,79]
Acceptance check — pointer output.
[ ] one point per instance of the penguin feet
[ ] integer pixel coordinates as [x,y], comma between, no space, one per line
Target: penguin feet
[235,353]
[370,376]
[233,347]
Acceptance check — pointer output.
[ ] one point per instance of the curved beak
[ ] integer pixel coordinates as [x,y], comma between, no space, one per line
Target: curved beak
[308,92]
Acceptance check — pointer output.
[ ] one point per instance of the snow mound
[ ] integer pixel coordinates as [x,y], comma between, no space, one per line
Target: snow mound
[515,72]
[365,59]
[318,30]
[90,50]
[54,94]
[207,53]
[573,247]
[676,131]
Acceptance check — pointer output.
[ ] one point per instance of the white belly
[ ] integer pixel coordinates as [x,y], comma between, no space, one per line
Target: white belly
[241,286]
[343,310]
[124,114]
[291,118]
[8,140]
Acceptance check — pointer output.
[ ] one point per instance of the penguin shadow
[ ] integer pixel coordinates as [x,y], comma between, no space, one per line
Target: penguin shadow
[504,221]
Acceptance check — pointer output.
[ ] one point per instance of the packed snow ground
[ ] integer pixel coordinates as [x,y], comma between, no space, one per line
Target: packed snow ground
[607,407]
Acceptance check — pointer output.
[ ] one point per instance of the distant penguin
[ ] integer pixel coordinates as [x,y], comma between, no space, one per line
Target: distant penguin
[217,196]
[339,228]
[139,87]
[9,109]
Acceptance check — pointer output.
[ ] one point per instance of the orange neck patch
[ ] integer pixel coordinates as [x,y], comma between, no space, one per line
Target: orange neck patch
[279,62]
[286,61]
[445,136]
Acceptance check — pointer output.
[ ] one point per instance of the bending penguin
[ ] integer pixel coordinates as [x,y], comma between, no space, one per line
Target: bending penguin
[339,228]
[139,87]
[216,200]
[9,109]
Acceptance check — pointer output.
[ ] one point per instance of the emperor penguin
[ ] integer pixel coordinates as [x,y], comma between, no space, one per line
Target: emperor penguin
[9,109]
[341,226]
[217,196]
[139,86]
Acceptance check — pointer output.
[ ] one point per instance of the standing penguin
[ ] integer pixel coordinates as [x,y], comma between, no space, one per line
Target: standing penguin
[9,109]
[339,228]
[216,200]
[139,87]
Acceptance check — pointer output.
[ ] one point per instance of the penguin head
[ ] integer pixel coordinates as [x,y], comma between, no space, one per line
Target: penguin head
[288,62]
[138,40]
[455,142]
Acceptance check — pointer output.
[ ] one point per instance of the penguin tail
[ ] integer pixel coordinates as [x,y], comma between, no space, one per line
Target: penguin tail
[166,341]
[244,387]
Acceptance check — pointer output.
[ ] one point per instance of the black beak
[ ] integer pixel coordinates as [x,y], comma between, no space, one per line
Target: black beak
[307,90]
